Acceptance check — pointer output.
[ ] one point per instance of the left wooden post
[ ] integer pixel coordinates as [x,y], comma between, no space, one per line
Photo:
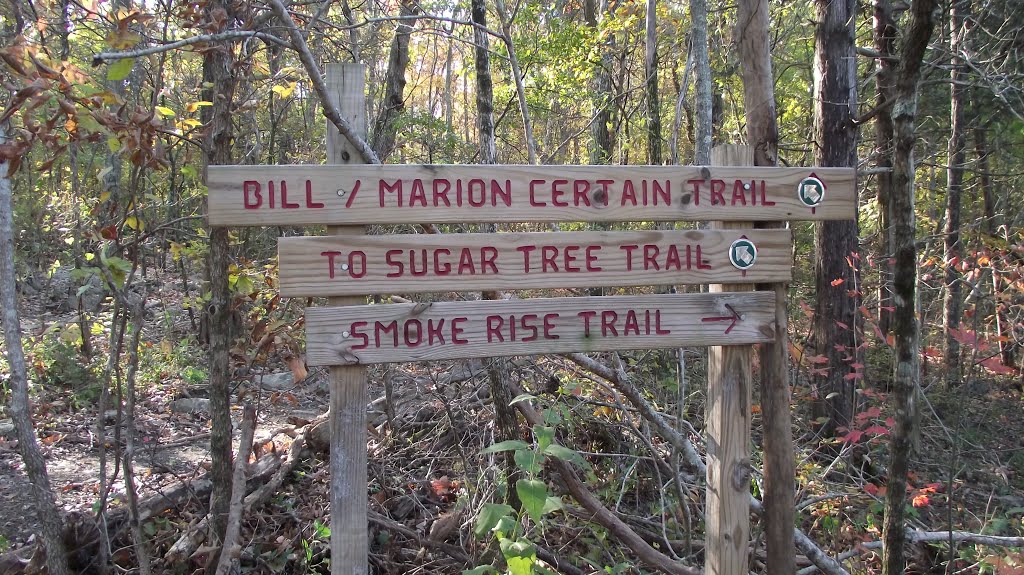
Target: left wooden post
[346,85]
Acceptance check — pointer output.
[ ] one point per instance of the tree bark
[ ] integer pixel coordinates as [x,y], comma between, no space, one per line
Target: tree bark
[836,323]
[600,128]
[651,70]
[702,86]
[884,31]
[952,305]
[219,77]
[505,420]
[384,127]
[905,324]
[763,136]
[50,516]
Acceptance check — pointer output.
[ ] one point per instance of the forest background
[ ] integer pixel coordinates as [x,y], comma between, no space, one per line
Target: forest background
[143,332]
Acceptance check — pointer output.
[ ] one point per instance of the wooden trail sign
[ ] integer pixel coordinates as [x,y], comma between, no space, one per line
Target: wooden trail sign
[469,329]
[399,194]
[326,266]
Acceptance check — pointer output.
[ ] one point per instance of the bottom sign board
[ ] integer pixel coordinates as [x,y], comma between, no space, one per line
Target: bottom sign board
[389,333]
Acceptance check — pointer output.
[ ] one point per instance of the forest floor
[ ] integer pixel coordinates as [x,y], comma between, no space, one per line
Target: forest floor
[428,480]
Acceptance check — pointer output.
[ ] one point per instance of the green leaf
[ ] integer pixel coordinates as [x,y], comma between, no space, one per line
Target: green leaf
[565,454]
[552,504]
[520,565]
[481,570]
[528,460]
[522,397]
[545,437]
[510,445]
[534,494]
[119,70]
[489,517]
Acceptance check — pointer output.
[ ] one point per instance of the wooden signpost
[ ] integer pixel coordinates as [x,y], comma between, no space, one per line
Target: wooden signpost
[348,265]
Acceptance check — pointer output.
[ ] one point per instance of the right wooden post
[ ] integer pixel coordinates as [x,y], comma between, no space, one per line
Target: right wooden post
[727,512]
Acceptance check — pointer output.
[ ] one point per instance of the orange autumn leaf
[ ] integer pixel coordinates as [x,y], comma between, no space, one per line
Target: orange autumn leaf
[921,501]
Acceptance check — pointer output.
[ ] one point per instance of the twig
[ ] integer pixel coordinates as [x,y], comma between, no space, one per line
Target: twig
[230,549]
[106,57]
[316,78]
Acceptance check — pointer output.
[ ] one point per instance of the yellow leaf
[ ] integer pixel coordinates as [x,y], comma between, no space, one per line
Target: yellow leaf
[193,106]
[283,91]
[165,112]
[133,223]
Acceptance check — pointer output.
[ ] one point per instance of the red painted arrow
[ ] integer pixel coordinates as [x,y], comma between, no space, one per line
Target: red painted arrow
[735,317]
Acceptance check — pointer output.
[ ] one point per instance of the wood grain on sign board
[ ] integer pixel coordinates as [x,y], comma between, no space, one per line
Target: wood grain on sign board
[473,262]
[454,330]
[400,194]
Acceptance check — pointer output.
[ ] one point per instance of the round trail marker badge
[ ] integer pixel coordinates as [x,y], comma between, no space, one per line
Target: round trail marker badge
[742,254]
[811,191]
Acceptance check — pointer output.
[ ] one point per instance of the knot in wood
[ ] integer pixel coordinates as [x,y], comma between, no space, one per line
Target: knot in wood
[741,475]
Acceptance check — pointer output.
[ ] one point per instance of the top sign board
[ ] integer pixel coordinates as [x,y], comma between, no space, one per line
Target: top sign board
[397,194]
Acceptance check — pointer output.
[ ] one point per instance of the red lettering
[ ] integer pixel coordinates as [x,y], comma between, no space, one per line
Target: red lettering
[628,193]
[570,260]
[764,198]
[533,200]
[412,339]
[664,192]
[494,323]
[357,259]
[592,259]
[394,263]
[435,329]
[354,332]
[526,256]
[385,329]
[650,253]
[604,191]
[527,322]
[418,194]
[557,192]
[717,188]
[657,324]
[441,188]
[700,261]
[466,264]
[384,187]
[608,323]
[284,197]
[412,263]
[580,191]
[672,260]
[479,186]
[488,255]
[738,193]
[629,255]
[442,268]
[309,197]
[587,316]
[457,331]
[547,257]
[504,193]
[549,325]
[631,324]
[270,193]
[254,187]
[696,190]
[330,262]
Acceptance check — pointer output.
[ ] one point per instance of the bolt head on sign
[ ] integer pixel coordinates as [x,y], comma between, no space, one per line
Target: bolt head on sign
[742,254]
[811,191]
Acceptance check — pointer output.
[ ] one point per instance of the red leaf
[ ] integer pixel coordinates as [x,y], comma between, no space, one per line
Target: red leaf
[853,437]
[921,501]
[817,359]
[996,366]
[837,282]
[876,430]
[854,375]
[842,325]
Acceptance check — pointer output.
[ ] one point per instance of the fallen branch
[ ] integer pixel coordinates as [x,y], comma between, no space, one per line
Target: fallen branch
[230,549]
[104,57]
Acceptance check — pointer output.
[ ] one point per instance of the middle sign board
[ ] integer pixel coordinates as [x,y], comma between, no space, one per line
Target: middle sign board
[363,265]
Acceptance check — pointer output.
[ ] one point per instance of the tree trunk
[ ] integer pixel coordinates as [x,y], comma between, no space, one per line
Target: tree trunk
[885,45]
[836,323]
[651,70]
[702,86]
[600,128]
[952,305]
[763,136]
[987,193]
[905,324]
[393,104]
[505,421]
[219,76]
[49,514]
